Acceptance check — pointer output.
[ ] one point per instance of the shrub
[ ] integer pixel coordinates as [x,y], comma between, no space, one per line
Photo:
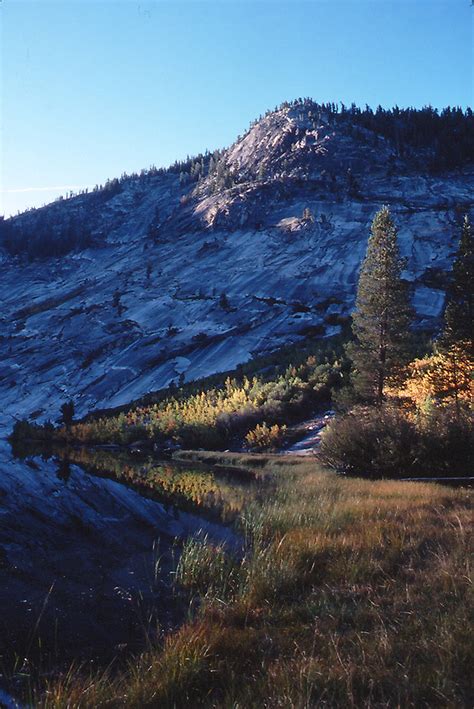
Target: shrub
[387,443]
[446,443]
[443,377]
[264,437]
[217,413]
[371,443]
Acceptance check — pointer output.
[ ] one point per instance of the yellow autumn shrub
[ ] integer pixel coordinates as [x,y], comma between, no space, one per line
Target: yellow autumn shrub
[444,378]
[264,437]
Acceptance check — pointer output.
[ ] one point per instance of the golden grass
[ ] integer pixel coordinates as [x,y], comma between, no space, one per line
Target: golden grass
[350,593]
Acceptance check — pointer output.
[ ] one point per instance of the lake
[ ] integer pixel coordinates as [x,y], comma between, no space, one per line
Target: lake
[89,540]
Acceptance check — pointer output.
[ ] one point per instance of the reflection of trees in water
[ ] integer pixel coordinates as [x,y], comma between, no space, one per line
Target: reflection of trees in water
[217,495]
[63,471]
[22,449]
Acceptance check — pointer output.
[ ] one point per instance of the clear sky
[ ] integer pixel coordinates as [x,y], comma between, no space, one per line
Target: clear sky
[92,89]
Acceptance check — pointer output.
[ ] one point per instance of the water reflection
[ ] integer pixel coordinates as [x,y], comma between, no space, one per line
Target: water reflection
[89,524]
[63,471]
[218,495]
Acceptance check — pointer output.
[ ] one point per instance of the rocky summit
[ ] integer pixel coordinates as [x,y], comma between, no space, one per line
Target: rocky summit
[172,275]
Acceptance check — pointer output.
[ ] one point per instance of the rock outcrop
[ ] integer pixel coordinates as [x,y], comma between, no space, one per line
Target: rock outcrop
[279,224]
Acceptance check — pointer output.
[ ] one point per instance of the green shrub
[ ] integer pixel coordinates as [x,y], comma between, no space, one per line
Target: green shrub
[373,442]
[446,443]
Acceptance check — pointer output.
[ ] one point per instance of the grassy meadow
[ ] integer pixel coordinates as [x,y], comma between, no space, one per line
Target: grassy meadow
[347,593]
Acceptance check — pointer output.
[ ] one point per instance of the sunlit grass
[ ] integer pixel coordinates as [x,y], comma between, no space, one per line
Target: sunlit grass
[347,593]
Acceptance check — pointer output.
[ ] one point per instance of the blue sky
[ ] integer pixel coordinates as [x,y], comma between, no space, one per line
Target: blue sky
[91,89]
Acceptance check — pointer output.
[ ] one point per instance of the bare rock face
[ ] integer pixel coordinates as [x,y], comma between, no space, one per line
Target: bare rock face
[280,143]
[278,222]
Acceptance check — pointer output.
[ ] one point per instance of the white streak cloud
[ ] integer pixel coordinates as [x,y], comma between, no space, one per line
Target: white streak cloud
[17,190]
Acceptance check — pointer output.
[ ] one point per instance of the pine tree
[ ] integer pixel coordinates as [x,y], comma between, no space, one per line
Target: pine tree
[457,340]
[149,269]
[459,313]
[117,303]
[67,413]
[380,322]
[224,302]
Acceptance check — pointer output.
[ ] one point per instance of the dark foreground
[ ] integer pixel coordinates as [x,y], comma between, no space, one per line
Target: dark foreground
[86,559]
[332,592]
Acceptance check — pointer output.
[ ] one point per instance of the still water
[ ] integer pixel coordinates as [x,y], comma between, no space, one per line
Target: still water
[89,540]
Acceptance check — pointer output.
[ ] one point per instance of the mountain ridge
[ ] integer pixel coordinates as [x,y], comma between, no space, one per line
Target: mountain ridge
[278,222]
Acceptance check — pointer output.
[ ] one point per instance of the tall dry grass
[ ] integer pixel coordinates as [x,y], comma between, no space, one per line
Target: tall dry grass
[348,593]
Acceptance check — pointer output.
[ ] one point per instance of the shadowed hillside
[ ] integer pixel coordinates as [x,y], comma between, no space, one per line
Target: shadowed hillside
[175,274]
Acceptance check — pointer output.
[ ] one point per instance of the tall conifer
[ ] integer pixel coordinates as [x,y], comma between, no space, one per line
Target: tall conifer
[459,313]
[457,340]
[382,315]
